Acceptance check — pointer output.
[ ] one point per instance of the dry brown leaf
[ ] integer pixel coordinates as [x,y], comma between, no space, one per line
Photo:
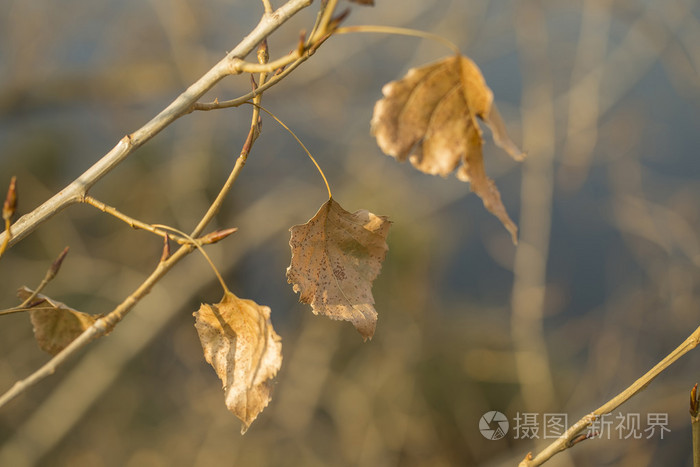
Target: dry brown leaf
[335,258]
[55,324]
[239,342]
[429,116]
[364,2]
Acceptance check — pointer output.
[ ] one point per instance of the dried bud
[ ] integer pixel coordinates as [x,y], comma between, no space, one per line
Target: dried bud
[694,406]
[335,21]
[10,205]
[263,52]
[301,46]
[56,265]
[166,248]
[217,235]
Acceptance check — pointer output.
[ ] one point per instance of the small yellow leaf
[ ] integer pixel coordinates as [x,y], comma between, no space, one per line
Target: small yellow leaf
[429,117]
[239,342]
[55,324]
[335,258]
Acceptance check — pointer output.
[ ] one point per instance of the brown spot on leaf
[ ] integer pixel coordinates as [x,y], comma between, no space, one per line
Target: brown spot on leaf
[356,244]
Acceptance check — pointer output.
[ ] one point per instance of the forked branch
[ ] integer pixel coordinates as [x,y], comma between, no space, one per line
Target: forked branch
[76,192]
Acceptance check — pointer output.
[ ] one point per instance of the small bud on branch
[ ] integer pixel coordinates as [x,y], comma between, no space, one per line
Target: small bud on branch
[56,265]
[10,205]
[217,236]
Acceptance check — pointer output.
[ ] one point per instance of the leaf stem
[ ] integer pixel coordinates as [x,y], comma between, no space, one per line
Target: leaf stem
[400,32]
[318,167]
[198,245]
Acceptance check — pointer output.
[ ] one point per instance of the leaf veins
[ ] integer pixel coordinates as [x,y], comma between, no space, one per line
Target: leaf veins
[336,256]
[239,342]
[429,116]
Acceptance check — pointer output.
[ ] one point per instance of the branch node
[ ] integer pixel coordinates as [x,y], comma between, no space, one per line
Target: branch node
[301,45]
[580,438]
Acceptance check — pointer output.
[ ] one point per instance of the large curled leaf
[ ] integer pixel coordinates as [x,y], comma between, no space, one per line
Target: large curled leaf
[55,324]
[239,342]
[429,116]
[335,258]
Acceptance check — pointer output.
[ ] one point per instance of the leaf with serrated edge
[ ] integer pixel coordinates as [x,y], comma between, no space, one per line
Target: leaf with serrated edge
[335,258]
[55,324]
[429,117]
[239,342]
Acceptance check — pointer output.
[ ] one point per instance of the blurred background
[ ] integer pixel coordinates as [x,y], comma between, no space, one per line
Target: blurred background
[603,95]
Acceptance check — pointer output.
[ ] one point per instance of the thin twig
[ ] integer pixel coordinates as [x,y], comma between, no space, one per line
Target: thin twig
[104,325]
[215,105]
[253,134]
[326,16]
[133,223]
[238,167]
[267,6]
[563,442]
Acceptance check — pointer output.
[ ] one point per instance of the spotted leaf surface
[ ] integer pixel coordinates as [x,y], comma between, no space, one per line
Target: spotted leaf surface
[335,258]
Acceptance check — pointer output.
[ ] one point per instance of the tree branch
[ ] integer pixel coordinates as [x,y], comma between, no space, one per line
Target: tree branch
[75,191]
[567,439]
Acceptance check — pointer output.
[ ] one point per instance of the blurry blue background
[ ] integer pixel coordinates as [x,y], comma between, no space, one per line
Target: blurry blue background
[604,96]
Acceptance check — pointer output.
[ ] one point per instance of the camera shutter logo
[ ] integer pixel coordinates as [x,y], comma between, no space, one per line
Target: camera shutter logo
[493,425]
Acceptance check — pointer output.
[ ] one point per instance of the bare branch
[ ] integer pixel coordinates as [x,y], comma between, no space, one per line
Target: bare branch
[74,192]
[569,438]
[262,87]
[77,191]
